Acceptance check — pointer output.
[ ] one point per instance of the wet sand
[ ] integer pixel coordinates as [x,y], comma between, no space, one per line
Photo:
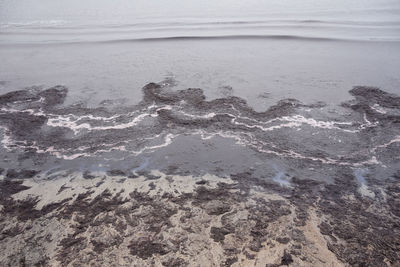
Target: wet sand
[177,180]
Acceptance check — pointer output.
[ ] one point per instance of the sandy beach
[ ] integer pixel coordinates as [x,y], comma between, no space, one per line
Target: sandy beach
[326,210]
[200,133]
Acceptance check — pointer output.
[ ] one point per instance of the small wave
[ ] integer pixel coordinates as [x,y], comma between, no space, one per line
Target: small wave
[200,38]
[34,24]
[235,37]
[63,24]
[239,28]
[209,37]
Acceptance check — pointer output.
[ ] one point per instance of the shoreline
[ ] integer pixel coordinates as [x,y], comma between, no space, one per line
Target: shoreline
[178,180]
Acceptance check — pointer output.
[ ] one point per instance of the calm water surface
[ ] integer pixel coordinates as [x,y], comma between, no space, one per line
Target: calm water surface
[309,50]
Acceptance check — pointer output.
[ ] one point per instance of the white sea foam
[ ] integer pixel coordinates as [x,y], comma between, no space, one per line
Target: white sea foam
[167,141]
[379,109]
[247,139]
[394,140]
[6,141]
[66,122]
[73,122]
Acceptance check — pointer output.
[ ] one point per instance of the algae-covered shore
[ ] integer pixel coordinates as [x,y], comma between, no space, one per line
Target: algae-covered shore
[178,180]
